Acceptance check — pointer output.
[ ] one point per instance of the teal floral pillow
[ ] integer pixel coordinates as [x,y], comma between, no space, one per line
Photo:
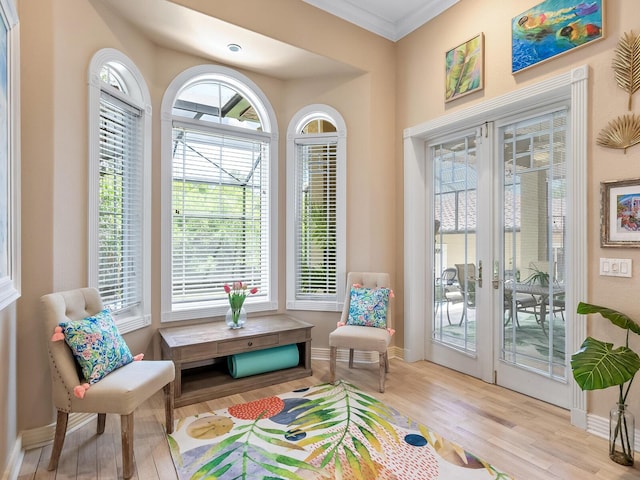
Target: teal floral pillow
[368,307]
[97,345]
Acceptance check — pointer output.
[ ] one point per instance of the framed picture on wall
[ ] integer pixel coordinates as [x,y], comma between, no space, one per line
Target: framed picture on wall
[9,154]
[464,68]
[552,28]
[620,213]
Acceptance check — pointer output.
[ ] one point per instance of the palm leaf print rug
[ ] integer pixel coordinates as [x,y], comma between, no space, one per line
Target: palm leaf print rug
[330,431]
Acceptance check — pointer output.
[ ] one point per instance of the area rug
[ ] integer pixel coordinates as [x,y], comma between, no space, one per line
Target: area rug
[330,431]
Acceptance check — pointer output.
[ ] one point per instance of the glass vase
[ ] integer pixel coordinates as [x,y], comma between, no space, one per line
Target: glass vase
[236,318]
[621,435]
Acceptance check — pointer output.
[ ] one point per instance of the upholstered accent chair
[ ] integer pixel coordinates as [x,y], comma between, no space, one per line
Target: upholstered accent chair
[362,338]
[119,392]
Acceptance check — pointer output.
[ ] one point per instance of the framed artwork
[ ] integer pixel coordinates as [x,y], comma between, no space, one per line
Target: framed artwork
[554,27]
[620,213]
[9,154]
[464,68]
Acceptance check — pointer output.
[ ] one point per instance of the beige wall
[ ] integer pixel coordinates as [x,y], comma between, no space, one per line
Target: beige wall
[420,93]
[8,397]
[402,86]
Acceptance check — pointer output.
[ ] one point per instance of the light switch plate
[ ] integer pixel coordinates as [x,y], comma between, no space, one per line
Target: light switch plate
[616,267]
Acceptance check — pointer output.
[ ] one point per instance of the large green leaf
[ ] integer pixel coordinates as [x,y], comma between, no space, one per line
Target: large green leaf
[597,365]
[614,316]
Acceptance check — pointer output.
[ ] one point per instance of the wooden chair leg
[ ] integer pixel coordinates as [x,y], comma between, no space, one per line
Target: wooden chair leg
[332,364]
[58,441]
[126,426]
[386,362]
[168,406]
[102,417]
[351,358]
[383,363]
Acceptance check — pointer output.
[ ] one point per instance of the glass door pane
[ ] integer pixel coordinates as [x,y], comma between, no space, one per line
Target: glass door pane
[455,199]
[534,156]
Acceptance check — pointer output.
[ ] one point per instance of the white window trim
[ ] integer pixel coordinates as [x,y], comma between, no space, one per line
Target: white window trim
[11,283]
[269,124]
[140,98]
[301,118]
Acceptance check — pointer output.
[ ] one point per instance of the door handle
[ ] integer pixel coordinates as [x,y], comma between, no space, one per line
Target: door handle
[479,273]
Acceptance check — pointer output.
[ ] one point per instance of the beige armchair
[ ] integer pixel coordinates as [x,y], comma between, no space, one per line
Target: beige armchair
[119,392]
[361,337]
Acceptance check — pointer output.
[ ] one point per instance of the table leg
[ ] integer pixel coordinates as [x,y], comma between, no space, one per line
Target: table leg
[543,313]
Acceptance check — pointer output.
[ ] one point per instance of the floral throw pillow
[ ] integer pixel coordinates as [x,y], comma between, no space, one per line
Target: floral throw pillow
[97,345]
[368,307]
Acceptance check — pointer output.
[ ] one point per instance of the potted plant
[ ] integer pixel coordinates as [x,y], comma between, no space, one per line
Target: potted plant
[597,365]
[537,277]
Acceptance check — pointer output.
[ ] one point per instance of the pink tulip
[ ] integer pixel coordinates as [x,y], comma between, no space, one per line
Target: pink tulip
[254,290]
[227,288]
[237,285]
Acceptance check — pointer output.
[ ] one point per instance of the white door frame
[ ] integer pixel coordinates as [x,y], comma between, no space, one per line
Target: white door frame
[417,295]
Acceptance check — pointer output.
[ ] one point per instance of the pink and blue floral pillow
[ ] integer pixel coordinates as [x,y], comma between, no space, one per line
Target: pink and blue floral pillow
[368,306]
[97,345]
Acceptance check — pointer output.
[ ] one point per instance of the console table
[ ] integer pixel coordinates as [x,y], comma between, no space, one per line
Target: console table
[200,353]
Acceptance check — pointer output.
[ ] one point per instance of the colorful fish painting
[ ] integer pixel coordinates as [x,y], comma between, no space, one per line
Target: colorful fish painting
[554,27]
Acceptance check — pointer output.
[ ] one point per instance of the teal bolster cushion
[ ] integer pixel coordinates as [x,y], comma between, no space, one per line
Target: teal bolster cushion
[97,345]
[368,307]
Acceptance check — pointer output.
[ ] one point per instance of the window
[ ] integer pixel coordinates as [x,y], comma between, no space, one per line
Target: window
[316,189]
[219,187]
[10,156]
[119,193]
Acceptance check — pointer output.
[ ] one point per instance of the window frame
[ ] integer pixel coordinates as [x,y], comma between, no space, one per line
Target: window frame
[299,120]
[10,279]
[139,98]
[258,99]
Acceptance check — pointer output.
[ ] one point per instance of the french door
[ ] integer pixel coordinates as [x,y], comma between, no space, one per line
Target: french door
[499,205]
[461,327]
[532,165]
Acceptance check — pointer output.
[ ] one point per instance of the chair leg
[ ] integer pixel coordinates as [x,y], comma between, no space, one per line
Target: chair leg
[464,311]
[351,358]
[102,417]
[448,317]
[386,362]
[58,441]
[332,364]
[126,426]
[383,367]
[168,406]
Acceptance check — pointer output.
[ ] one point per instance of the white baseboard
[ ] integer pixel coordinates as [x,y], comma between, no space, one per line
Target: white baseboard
[358,356]
[599,426]
[38,437]
[14,462]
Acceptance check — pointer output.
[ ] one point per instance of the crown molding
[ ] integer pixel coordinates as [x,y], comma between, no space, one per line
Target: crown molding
[391,29]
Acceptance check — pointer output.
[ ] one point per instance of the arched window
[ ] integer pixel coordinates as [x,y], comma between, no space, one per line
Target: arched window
[218,193]
[316,216]
[119,188]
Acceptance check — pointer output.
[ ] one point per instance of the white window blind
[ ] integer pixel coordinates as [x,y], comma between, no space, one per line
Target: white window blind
[220,215]
[316,218]
[120,205]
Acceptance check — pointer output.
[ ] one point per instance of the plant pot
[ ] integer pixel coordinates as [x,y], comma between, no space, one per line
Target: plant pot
[621,435]
[236,318]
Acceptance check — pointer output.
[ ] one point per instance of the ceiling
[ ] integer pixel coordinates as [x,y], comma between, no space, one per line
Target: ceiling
[392,19]
[176,27]
[182,29]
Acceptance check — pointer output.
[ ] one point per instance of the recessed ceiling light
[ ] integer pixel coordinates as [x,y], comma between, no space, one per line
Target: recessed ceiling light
[234,47]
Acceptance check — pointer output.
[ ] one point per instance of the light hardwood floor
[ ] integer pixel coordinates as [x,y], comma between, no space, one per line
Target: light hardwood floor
[527,438]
